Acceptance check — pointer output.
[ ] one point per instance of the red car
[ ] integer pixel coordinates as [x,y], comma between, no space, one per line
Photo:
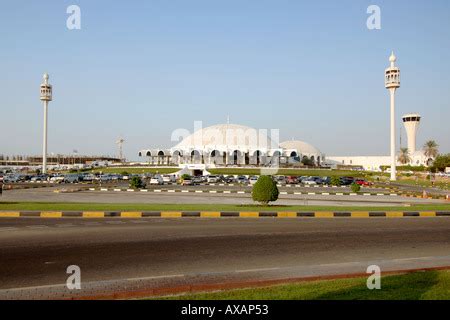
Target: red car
[291,180]
[362,182]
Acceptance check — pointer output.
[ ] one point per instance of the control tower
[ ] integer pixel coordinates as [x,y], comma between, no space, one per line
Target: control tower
[411,123]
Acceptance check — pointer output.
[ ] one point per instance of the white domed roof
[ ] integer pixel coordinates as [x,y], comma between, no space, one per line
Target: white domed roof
[301,147]
[222,136]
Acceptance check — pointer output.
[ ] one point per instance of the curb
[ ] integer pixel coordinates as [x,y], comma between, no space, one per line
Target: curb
[221,214]
[242,192]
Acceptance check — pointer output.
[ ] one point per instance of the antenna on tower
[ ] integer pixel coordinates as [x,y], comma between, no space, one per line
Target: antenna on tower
[119,143]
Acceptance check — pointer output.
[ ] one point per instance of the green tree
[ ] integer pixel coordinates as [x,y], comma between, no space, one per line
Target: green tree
[441,162]
[430,149]
[307,161]
[404,157]
[265,190]
[136,183]
[335,181]
[355,187]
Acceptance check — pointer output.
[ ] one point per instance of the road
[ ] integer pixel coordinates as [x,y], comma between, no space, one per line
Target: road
[135,254]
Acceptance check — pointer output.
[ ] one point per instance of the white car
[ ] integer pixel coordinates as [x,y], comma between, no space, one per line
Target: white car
[168,178]
[213,179]
[253,180]
[57,179]
[310,182]
[156,180]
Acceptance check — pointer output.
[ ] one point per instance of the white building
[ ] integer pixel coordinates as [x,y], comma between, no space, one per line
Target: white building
[374,163]
[231,145]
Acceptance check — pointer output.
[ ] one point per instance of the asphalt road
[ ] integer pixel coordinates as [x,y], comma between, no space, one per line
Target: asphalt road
[132,254]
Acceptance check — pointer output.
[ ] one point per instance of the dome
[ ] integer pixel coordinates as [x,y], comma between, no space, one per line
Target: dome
[301,147]
[225,136]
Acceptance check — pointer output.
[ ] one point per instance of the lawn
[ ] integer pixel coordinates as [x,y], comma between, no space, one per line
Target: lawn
[72,206]
[430,285]
[445,185]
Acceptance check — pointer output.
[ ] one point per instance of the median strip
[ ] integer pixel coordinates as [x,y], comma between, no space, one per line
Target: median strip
[223,214]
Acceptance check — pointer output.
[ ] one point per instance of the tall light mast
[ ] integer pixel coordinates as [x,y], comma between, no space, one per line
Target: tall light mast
[46,96]
[392,83]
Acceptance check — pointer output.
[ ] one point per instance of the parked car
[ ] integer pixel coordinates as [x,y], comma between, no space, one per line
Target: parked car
[213,179]
[169,178]
[187,181]
[104,178]
[156,180]
[310,181]
[253,180]
[362,182]
[57,178]
[242,179]
[346,181]
[88,177]
[11,178]
[39,178]
[72,178]
[197,180]
[229,179]
[291,180]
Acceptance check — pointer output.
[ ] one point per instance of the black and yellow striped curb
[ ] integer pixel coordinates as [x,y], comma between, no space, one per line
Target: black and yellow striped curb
[241,192]
[222,214]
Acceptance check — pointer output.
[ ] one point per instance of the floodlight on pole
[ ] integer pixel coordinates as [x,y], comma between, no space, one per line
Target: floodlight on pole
[392,83]
[46,97]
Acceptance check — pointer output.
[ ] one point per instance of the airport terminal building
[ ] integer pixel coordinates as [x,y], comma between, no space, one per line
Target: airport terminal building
[232,145]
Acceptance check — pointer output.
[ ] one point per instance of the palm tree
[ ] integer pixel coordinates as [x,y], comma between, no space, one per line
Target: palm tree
[431,149]
[404,157]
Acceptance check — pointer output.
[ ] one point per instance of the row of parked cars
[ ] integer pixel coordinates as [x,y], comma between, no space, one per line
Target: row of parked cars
[160,179]
[250,180]
[343,181]
[62,178]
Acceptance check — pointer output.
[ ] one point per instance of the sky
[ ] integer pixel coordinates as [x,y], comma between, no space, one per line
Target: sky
[141,69]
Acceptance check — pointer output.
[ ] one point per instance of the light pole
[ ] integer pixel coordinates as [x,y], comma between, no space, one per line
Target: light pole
[392,83]
[46,96]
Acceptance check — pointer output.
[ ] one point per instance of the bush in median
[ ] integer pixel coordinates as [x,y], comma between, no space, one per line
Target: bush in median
[265,190]
[335,181]
[355,187]
[136,183]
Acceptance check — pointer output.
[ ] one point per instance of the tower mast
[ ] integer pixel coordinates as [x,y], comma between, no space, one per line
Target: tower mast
[392,83]
[46,97]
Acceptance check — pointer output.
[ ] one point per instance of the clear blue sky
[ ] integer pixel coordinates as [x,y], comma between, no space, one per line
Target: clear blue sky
[144,68]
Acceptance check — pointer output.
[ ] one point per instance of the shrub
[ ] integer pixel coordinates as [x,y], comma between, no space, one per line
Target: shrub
[124,173]
[355,187]
[136,183]
[441,162]
[335,181]
[265,190]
